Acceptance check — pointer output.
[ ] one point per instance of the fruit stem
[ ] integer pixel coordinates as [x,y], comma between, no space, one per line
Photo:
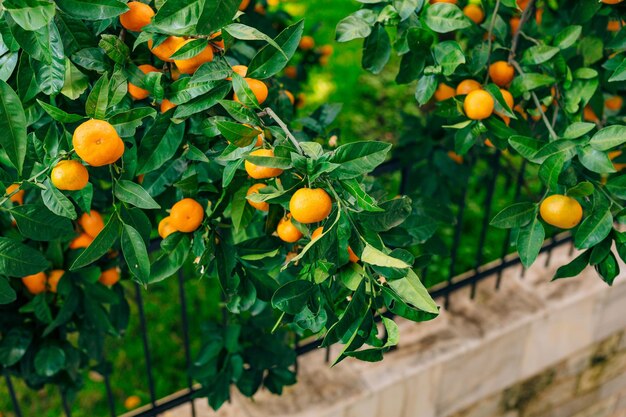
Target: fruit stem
[283,126]
[525,16]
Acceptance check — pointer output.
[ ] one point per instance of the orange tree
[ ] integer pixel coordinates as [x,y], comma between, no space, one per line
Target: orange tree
[142,138]
[539,81]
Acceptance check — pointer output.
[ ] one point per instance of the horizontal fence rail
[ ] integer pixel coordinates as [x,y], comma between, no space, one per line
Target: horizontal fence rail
[449,281]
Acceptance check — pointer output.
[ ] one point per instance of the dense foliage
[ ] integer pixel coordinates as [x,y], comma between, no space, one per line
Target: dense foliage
[90,169]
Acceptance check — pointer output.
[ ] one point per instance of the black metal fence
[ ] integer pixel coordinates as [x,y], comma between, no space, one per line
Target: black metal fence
[511,181]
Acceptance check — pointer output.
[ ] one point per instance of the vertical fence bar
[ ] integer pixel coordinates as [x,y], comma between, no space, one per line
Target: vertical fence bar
[455,243]
[495,169]
[505,245]
[66,406]
[146,346]
[185,324]
[111,401]
[16,404]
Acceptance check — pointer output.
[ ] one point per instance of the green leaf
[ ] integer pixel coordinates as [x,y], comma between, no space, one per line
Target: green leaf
[376,50]
[57,202]
[358,158]
[357,25]
[582,189]
[539,54]
[363,200]
[426,87]
[100,245]
[594,229]
[269,61]
[406,8]
[127,122]
[530,81]
[445,17]
[608,138]
[13,124]
[7,294]
[412,292]
[578,129]
[574,268]
[49,361]
[134,194]
[14,345]
[115,48]
[516,215]
[236,133]
[248,33]
[373,256]
[30,14]
[159,144]
[19,260]
[594,160]
[293,296]
[58,114]
[568,36]
[449,56]
[529,241]
[620,73]
[36,222]
[190,49]
[550,170]
[90,10]
[136,254]
[177,17]
[215,14]
[98,99]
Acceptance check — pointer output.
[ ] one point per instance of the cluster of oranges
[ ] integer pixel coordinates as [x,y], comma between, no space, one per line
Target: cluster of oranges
[478,103]
[186,216]
[41,282]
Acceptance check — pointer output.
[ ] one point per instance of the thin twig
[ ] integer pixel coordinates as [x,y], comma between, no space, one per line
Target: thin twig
[285,129]
[31,179]
[553,134]
[492,24]
[525,16]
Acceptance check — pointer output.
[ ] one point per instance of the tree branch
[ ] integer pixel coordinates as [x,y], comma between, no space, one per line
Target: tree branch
[525,16]
[284,127]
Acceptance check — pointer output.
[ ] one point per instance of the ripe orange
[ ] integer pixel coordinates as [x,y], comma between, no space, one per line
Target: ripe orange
[561,211]
[455,157]
[166,48]
[81,241]
[138,93]
[352,256]
[478,105]
[97,143]
[53,279]
[589,115]
[259,89]
[190,65]
[69,175]
[467,86]
[244,5]
[474,13]
[166,105]
[317,233]
[522,4]
[259,138]
[186,215]
[132,402]
[287,231]
[614,103]
[291,71]
[260,9]
[613,26]
[18,197]
[109,277]
[241,70]
[326,50]
[307,43]
[612,1]
[290,96]
[260,172]
[501,73]
[91,223]
[263,206]
[166,228]
[508,98]
[539,15]
[36,283]
[137,17]
[536,116]
[514,23]
[618,165]
[174,73]
[310,205]
[444,92]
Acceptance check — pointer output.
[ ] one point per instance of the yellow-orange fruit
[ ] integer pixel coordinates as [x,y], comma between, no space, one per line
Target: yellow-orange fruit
[444,92]
[69,175]
[18,197]
[166,48]
[186,215]
[478,105]
[166,105]
[97,143]
[287,231]
[81,241]
[259,89]
[91,223]
[36,283]
[310,205]
[263,206]
[501,73]
[138,16]
[260,172]
[138,93]
[561,211]
[109,277]
[53,279]
[190,65]
[467,86]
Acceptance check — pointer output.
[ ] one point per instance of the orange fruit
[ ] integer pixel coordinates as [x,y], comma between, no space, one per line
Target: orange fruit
[97,143]
[317,233]
[501,73]
[138,16]
[241,70]
[219,44]
[444,92]
[166,228]
[91,223]
[522,4]
[287,231]
[310,205]
[166,105]
[263,206]
[18,197]
[53,279]
[259,9]
[514,23]
[612,1]
[613,26]
[81,241]
[259,89]
[443,1]
[519,109]
[618,165]
[467,86]
[190,65]
[614,103]
[478,105]
[138,93]
[132,402]
[36,283]
[174,73]
[589,115]
[352,256]
[561,211]
[537,115]
[474,13]
[259,138]
[324,60]
[69,175]
[326,50]
[539,15]
[109,277]
[291,71]
[186,215]
[290,96]
[508,98]
[489,143]
[260,172]
[244,5]
[166,48]
[455,157]
[307,43]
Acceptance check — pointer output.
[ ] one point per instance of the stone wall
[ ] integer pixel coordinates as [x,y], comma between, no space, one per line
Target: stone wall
[534,348]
